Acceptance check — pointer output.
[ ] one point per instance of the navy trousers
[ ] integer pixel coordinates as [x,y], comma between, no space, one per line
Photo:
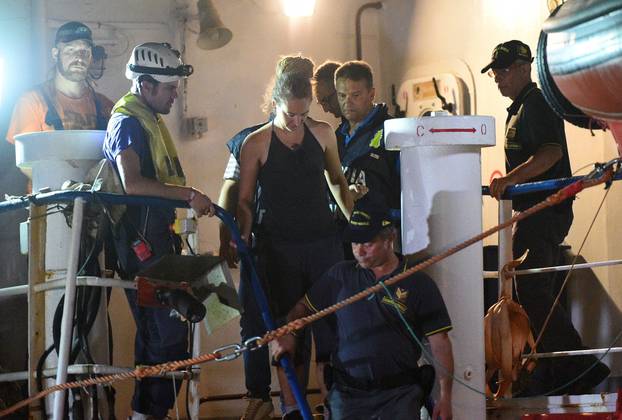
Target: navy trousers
[159,339]
[541,234]
[400,403]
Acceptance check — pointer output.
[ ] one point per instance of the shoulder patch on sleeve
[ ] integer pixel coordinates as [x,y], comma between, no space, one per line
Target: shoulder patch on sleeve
[376,141]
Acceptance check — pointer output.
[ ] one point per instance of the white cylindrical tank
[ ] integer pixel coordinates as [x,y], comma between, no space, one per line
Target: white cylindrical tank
[441,207]
[49,159]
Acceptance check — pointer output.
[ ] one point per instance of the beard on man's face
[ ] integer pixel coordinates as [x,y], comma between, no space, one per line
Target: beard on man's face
[76,71]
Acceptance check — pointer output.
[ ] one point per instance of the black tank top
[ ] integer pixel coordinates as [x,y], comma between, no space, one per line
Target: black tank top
[294,191]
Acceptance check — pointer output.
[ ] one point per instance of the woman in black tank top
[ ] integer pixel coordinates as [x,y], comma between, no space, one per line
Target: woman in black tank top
[294,188]
[293,159]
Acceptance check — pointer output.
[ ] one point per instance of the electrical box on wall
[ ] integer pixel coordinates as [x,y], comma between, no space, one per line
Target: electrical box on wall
[438,93]
[196,126]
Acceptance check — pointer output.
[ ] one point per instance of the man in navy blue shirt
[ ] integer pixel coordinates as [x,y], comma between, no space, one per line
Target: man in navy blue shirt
[375,371]
[536,150]
[367,165]
[365,162]
[140,148]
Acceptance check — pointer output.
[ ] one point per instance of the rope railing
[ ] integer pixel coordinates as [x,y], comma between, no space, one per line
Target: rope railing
[121,199]
[602,174]
[598,176]
[138,373]
[540,186]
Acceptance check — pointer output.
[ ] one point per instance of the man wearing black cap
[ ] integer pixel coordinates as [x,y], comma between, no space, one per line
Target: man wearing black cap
[67,101]
[535,150]
[374,367]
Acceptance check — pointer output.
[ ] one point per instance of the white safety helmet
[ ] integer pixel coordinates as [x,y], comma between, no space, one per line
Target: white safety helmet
[158,60]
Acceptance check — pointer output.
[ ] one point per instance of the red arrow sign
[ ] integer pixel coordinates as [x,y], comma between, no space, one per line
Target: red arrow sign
[452,130]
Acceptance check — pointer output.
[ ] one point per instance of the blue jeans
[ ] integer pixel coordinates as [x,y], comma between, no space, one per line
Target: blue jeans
[159,339]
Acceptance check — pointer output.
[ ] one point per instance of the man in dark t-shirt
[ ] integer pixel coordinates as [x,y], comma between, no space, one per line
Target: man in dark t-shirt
[536,150]
[375,363]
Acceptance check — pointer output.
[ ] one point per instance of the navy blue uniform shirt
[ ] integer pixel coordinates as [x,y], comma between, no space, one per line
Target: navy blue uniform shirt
[372,342]
[531,124]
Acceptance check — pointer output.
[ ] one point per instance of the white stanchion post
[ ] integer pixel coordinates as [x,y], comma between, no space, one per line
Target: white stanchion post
[68,307]
[505,249]
[51,158]
[441,207]
[195,377]
[194,381]
[505,236]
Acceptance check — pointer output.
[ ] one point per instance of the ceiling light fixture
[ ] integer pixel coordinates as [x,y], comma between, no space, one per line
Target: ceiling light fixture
[296,8]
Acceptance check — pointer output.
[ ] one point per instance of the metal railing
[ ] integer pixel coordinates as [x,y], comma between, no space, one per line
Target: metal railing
[505,245]
[71,280]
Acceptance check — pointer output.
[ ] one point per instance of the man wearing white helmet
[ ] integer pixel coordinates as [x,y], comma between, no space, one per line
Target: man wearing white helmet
[140,147]
[67,101]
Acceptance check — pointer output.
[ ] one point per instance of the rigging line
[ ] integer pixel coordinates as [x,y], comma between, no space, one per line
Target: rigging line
[576,171]
[424,350]
[605,174]
[51,210]
[582,374]
[144,371]
[570,271]
[138,373]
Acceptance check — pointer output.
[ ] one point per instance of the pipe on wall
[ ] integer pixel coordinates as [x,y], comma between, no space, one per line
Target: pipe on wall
[359,12]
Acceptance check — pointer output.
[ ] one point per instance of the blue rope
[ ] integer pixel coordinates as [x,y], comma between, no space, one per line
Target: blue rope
[245,257]
[243,251]
[539,186]
[110,198]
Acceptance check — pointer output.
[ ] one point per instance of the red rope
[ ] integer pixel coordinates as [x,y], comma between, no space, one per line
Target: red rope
[139,373]
[552,200]
[297,324]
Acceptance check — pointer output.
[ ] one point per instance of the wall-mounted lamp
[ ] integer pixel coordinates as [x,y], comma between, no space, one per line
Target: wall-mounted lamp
[294,8]
[212,34]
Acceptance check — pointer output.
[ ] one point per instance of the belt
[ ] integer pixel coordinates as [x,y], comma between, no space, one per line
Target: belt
[407,377]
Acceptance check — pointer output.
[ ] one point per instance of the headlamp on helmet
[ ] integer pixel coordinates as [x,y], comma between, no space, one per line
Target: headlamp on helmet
[158,60]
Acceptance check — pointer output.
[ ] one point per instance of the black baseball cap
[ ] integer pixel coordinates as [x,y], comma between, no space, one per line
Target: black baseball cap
[369,217]
[507,53]
[72,31]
